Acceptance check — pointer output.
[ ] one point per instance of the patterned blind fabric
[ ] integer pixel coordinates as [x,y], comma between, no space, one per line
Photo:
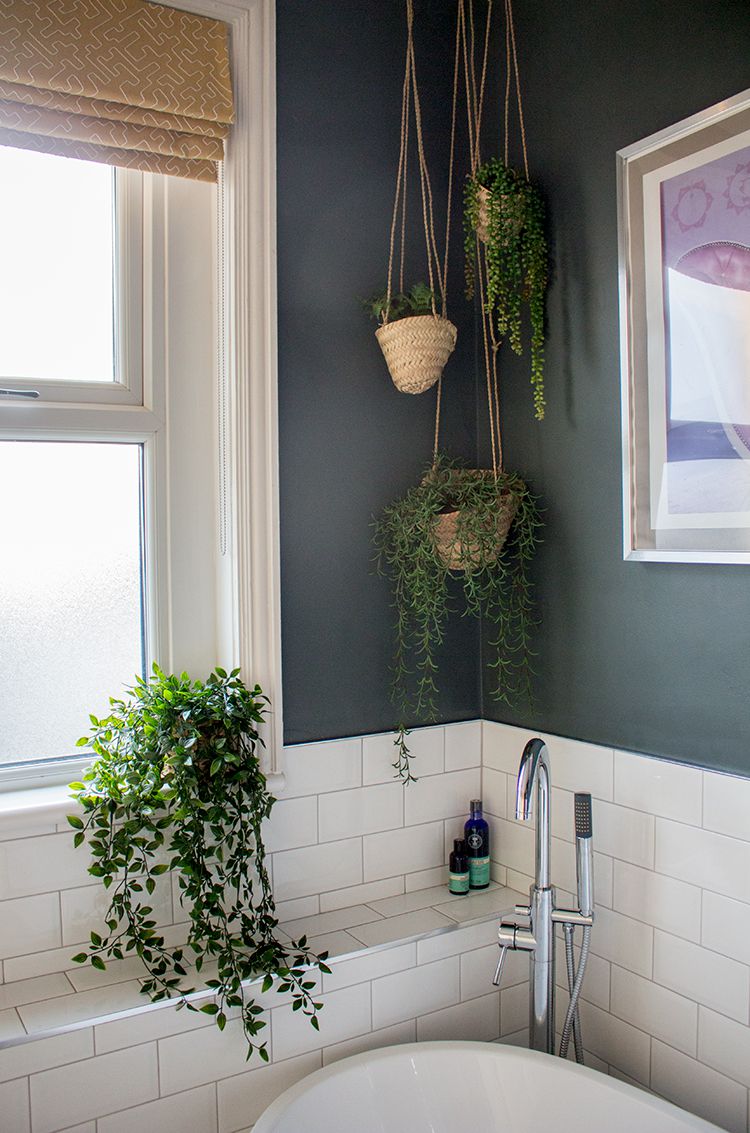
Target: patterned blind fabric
[124,82]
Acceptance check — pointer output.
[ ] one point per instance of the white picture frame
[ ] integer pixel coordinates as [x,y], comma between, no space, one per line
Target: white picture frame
[684,278]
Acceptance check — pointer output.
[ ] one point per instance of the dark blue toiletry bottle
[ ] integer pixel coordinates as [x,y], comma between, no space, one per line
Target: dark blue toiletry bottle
[477,837]
[458,876]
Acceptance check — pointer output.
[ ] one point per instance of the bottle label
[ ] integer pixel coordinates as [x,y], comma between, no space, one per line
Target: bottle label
[475,840]
[458,882]
[479,872]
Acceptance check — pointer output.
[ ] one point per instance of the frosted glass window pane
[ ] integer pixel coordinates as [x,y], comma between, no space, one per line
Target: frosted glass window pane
[57,279]
[71,625]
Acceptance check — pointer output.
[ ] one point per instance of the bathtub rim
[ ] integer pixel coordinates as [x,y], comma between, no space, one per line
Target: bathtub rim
[514,1053]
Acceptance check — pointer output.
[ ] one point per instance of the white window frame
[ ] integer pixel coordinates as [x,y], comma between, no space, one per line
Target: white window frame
[249,616]
[127,388]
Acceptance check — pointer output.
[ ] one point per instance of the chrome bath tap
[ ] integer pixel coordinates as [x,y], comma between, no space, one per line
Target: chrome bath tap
[538,937]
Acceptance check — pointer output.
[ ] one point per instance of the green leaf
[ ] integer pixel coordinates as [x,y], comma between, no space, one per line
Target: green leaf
[73,819]
[97,962]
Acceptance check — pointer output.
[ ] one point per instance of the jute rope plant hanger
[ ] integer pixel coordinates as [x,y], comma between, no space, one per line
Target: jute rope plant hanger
[461,535]
[417,347]
[506,249]
[456,541]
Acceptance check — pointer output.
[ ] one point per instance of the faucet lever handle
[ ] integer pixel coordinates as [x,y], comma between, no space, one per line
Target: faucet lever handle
[500,964]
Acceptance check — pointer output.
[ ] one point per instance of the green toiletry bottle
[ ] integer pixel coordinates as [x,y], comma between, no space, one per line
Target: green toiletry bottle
[477,836]
[458,876]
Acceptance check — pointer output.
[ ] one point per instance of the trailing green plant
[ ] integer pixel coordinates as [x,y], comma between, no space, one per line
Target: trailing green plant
[493,584]
[510,217]
[420,300]
[177,785]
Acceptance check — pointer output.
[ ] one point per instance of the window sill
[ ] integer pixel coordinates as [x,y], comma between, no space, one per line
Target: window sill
[31,807]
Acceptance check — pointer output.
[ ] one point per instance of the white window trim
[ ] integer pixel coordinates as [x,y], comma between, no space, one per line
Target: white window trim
[251,353]
[250,620]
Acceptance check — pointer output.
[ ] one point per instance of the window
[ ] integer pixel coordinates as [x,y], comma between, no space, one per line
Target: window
[108,446]
[207,449]
[71,607]
[57,288]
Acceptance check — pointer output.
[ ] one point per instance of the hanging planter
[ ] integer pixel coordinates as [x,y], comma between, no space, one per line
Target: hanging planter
[416,342]
[416,339]
[416,350]
[468,538]
[506,213]
[477,527]
[482,208]
[507,258]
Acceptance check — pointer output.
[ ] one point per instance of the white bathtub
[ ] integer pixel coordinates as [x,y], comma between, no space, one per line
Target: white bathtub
[454,1087]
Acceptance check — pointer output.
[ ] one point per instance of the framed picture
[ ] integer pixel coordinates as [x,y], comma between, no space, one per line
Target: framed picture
[684,234]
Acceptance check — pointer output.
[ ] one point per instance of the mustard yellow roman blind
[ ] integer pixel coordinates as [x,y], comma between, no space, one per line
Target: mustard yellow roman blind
[125,82]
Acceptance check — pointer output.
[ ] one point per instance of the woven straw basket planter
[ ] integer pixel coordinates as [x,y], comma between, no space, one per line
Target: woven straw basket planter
[456,555]
[483,214]
[416,350]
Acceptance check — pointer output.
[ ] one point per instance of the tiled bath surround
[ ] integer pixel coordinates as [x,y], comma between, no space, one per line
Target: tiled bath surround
[666,997]
[349,848]
[667,994]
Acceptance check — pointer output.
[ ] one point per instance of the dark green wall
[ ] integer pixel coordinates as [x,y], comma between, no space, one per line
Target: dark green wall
[350,443]
[648,656]
[651,657]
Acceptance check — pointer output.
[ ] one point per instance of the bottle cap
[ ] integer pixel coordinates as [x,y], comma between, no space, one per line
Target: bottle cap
[459,847]
[476,804]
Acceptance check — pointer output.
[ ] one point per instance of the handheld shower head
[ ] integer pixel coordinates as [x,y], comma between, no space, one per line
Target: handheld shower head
[582,812]
[584,854]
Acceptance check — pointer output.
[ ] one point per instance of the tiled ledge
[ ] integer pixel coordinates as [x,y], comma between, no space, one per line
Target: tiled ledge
[348,933]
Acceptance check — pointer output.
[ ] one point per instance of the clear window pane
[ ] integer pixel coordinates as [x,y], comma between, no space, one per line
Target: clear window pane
[57,280]
[71,620]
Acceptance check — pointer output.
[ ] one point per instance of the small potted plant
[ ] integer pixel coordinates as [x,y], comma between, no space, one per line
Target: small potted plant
[177,785]
[481,528]
[416,341]
[506,212]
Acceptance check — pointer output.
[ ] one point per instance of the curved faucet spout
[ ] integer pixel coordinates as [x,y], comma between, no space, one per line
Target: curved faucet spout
[533,760]
[534,772]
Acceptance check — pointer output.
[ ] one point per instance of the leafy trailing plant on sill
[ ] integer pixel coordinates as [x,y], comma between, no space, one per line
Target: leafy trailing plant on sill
[461,538]
[506,212]
[177,785]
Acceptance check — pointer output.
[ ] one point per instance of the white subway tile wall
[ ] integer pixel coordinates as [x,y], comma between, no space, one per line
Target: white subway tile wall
[666,1002]
[344,842]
